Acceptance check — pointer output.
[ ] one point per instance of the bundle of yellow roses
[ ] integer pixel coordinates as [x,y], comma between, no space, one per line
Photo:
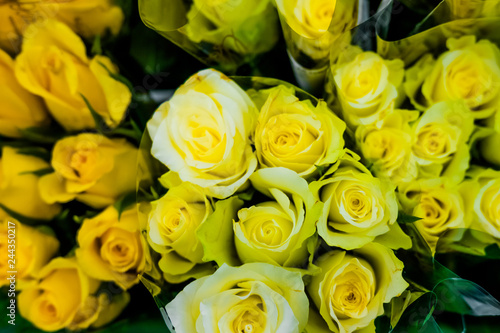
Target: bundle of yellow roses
[260,201]
[69,232]
[268,210]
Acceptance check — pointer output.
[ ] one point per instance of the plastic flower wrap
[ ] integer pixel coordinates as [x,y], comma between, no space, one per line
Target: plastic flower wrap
[311,28]
[423,113]
[244,185]
[221,33]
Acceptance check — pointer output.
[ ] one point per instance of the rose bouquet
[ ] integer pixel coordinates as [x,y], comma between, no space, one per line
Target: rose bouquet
[367,202]
[267,209]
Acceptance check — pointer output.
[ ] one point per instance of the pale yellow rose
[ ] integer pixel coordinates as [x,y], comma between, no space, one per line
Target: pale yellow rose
[368,87]
[171,231]
[90,168]
[27,248]
[18,108]
[54,65]
[111,247]
[296,135]
[469,71]
[87,18]
[202,133]
[440,139]
[60,294]
[353,287]
[254,297]
[463,9]
[388,148]
[243,26]
[438,203]
[482,200]
[312,18]
[279,232]
[358,207]
[19,185]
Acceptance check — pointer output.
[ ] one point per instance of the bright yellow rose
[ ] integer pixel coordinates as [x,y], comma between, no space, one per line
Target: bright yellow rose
[254,297]
[19,186]
[358,207]
[388,148]
[111,247]
[202,133]
[18,108]
[296,135]
[438,203]
[368,87]
[469,71]
[440,139]
[281,231]
[59,297]
[87,18]
[33,248]
[171,231]
[353,287]
[54,65]
[90,168]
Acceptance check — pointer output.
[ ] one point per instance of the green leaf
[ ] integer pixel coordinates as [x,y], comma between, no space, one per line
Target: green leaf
[35,151]
[321,169]
[247,195]
[126,201]
[46,135]
[216,233]
[96,46]
[119,78]
[38,173]
[465,297]
[405,218]
[100,123]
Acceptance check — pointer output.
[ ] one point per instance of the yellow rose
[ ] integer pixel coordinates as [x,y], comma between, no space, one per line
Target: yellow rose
[87,18]
[254,297]
[463,9]
[32,249]
[482,200]
[111,248]
[316,24]
[440,139]
[19,186]
[358,207]
[278,232]
[367,87]
[18,108]
[171,231]
[438,203]
[469,71]
[54,65]
[312,18]
[59,296]
[296,135]
[90,168]
[243,26]
[353,287]
[388,148]
[202,133]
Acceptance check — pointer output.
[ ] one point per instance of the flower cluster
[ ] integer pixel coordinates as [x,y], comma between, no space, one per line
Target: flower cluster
[261,192]
[63,186]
